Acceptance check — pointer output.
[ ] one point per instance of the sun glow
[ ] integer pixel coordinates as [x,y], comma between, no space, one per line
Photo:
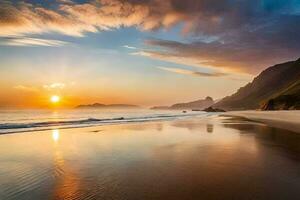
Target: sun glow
[55,135]
[55,99]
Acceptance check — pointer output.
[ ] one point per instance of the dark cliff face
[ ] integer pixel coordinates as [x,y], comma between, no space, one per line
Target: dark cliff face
[287,99]
[273,82]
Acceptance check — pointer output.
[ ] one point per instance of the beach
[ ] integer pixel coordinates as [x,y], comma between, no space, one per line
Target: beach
[288,120]
[195,157]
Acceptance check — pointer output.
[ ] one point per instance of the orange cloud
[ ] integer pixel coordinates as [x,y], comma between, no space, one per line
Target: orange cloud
[76,19]
[28,41]
[59,86]
[26,88]
[232,57]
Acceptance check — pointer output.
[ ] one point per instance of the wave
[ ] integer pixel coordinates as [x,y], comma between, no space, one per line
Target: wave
[23,127]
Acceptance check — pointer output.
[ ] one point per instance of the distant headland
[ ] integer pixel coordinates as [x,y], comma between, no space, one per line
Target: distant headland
[110,106]
[193,105]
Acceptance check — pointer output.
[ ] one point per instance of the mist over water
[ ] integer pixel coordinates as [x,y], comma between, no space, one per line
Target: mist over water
[191,158]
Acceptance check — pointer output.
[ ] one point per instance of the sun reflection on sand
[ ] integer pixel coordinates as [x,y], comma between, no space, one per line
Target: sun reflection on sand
[67,183]
[55,135]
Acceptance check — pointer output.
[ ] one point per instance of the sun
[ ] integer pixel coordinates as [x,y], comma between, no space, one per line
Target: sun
[55,99]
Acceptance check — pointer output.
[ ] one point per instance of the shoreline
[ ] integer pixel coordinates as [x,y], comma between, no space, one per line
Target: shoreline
[92,122]
[288,120]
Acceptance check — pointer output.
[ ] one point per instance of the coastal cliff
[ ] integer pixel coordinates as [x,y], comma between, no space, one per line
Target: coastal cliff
[276,88]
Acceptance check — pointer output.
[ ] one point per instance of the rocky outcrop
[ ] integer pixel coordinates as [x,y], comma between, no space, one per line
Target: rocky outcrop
[211,109]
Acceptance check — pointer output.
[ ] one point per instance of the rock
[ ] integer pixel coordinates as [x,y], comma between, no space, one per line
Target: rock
[269,105]
[211,109]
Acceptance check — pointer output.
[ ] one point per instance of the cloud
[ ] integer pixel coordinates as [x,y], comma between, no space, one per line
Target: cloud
[25,88]
[65,1]
[28,41]
[236,35]
[202,16]
[129,47]
[238,56]
[52,86]
[231,76]
[194,73]
[19,19]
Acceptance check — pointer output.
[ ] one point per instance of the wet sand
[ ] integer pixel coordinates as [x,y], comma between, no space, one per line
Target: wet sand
[196,158]
[289,120]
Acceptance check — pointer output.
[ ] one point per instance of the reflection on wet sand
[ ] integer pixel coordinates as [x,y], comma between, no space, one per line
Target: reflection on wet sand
[156,160]
[66,184]
[209,128]
[194,125]
[266,134]
[158,126]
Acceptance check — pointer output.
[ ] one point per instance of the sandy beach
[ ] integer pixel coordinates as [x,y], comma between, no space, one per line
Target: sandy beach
[193,158]
[289,120]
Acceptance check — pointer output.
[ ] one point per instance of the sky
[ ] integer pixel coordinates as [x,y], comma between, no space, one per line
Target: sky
[144,52]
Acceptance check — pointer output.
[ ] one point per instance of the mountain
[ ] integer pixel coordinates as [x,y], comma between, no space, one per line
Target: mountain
[199,104]
[288,99]
[110,106]
[277,87]
[196,105]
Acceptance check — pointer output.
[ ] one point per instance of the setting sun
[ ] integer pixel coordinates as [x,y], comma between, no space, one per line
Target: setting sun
[55,99]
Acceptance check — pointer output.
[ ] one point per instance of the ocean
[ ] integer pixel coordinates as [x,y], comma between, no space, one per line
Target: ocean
[14,121]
